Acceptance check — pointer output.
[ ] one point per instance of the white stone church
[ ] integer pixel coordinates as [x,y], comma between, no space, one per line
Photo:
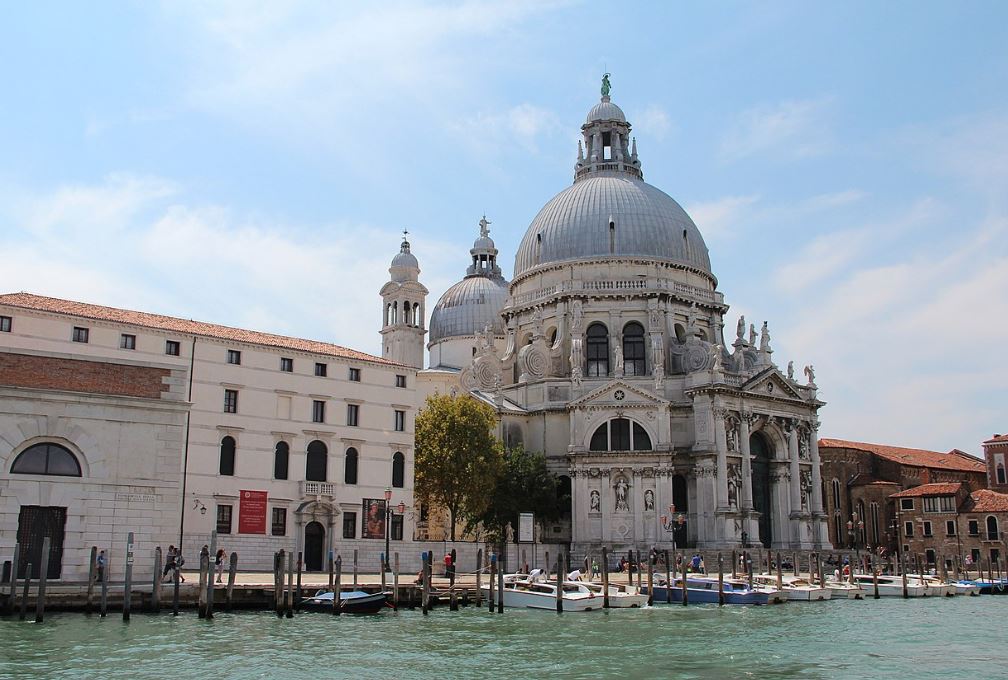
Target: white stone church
[607,352]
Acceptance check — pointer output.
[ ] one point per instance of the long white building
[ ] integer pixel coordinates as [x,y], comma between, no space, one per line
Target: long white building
[114,421]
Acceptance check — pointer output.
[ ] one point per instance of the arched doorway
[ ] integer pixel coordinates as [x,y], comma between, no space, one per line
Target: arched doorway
[314,546]
[759,448]
[680,499]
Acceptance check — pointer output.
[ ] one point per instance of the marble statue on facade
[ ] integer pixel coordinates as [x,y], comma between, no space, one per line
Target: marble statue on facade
[810,374]
[764,343]
[752,334]
[595,502]
[716,351]
[740,328]
[618,358]
[649,500]
[790,370]
[621,496]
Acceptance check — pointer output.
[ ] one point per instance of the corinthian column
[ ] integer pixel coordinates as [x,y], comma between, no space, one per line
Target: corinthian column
[792,445]
[722,457]
[744,420]
[813,435]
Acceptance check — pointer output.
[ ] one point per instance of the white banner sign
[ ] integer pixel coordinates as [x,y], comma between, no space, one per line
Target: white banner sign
[526,524]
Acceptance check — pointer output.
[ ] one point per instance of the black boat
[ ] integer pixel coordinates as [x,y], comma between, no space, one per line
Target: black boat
[351,602]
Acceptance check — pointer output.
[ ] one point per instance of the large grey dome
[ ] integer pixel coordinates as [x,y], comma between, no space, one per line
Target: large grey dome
[647,222]
[605,110]
[468,307]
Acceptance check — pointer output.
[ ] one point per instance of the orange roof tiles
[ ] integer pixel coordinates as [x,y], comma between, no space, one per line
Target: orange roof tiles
[997,438]
[985,500]
[169,323]
[939,489]
[953,460]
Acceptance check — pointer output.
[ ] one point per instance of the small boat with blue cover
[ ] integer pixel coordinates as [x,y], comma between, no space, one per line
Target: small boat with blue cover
[705,589]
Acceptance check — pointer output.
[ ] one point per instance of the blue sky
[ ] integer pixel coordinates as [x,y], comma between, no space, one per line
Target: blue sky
[254,164]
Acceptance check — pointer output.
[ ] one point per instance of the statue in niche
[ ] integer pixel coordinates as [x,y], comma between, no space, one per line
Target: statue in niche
[803,446]
[621,495]
[790,370]
[575,361]
[595,504]
[577,315]
[740,328]
[805,478]
[731,436]
[649,500]
[655,320]
[618,357]
[734,483]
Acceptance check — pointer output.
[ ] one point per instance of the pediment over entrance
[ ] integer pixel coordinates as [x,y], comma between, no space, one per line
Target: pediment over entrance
[771,383]
[619,394]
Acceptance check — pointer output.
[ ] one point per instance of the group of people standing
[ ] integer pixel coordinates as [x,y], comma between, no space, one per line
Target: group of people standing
[174,562]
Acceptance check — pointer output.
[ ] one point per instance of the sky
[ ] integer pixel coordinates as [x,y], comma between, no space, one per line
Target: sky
[255,164]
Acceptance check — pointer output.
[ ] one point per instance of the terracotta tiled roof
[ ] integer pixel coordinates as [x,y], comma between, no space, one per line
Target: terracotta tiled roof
[997,438]
[953,460]
[940,489]
[985,500]
[185,326]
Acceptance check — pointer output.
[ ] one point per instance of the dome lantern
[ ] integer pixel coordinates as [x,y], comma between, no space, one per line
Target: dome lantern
[606,135]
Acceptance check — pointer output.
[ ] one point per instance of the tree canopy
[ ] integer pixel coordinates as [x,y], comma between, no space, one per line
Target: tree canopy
[458,459]
[523,485]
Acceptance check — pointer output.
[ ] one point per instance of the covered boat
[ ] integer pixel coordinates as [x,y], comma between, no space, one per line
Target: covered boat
[351,602]
[705,589]
[533,592]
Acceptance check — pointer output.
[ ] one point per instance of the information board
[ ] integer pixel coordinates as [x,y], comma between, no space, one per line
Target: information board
[252,512]
[526,527]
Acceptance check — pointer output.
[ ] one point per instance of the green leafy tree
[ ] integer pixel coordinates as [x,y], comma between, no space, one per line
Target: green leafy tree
[524,485]
[458,458]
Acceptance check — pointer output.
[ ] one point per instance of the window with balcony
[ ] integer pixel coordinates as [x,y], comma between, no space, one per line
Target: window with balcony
[316,462]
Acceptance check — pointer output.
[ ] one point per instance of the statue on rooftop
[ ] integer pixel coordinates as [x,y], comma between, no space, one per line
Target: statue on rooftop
[484,224]
[605,85]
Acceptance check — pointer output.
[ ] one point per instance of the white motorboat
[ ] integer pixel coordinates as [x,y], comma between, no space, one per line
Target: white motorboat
[842,590]
[966,588]
[795,588]
[890,586]
[523,592]
[619,596]
[774,596]
[934,586]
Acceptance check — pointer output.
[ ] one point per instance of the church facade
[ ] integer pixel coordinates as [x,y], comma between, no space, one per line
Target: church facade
[607,352]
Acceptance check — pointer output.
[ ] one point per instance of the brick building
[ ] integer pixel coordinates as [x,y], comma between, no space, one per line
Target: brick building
[941,520]
[859,478]
[995,453]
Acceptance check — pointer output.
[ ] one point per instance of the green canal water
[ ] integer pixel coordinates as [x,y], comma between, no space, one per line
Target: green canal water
[889,638]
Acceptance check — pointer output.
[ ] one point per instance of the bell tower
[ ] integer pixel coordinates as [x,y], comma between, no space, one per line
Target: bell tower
[404,308]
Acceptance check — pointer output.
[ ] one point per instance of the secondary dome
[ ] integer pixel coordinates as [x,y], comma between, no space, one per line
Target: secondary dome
[611,216]
[468,307]
[476,301]
[605,110]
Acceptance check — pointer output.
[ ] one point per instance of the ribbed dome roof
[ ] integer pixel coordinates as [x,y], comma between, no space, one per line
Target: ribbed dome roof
[468,307]
[605,110]
[574,225]
[406,259]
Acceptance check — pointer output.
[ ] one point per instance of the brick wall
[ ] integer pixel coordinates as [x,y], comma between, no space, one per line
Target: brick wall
[76,375]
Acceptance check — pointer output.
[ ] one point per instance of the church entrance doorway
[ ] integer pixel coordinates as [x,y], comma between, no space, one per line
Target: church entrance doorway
[759,448]
[314,546]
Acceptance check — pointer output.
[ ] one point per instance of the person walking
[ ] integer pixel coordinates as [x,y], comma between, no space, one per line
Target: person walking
[169,562]
[100,563]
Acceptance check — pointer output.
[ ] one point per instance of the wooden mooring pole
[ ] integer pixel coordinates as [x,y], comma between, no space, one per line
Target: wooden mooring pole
[493,572]
[300,566]
[211,557]
[156,585]
[720,580]
[395,581]
[204,566]
[232,572]
[559,585]
[89,599]
[668,579]
[337,589]
[176,573]
[43,577]
[428,557]
[500,585]
[605,578]
[289,595]
[479,572]
[103,604]
[128,578]
[24,593]
[650,582]
[685,593]
[355,568]
[12,592]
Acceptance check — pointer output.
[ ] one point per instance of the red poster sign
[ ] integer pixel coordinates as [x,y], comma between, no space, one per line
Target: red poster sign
[252,512]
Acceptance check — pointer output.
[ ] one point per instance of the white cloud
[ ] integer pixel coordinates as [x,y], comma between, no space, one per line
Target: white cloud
[520,128]
[793,128]
[654,122]
[718,219]
[207,263]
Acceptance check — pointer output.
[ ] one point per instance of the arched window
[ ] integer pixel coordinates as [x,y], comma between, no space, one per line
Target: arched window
[46,459]
[864,522]
[598,350]
[1000,474]
[634,362]
[992,528]
[350,466]
[227,456]
[836,495]
[316,462]
[281,458]
[398,469]
[620,434]
[875,523]
[680,333]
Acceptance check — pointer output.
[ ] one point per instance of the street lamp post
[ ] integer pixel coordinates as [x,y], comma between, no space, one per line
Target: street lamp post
[388,523]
